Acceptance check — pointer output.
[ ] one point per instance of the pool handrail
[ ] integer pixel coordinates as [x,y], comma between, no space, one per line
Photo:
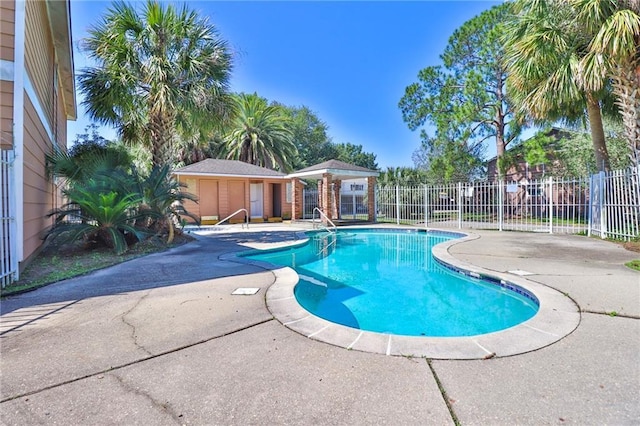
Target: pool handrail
[235,213]
[323,215]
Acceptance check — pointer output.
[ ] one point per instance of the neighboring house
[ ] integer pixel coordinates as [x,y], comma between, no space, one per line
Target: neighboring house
[226,186]
[519,169]
[37,97]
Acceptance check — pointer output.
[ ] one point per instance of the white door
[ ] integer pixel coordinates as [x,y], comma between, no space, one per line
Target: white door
[255,194]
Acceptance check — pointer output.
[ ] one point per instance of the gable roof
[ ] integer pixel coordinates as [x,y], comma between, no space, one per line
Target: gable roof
[234,168]
[339,169]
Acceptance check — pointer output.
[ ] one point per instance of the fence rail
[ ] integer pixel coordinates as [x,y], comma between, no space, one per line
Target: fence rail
[605,205]
[8,256]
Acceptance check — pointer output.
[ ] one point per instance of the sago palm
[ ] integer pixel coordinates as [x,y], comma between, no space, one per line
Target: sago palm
[260,134]
[163,197]
[96,214]
[160,74]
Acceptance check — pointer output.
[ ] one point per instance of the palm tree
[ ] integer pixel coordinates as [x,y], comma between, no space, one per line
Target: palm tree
[543,46]
[260,134]
[614,54]
[160,75]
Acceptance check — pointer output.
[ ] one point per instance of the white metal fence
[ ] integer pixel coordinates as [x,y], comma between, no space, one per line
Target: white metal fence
[8,260]
[607,205]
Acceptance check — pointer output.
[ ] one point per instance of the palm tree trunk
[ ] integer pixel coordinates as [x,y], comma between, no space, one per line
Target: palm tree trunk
[626,87]
[597,133]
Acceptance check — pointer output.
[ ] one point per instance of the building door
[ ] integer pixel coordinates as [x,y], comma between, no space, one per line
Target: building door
[256,198]
[277,200]
[208,198]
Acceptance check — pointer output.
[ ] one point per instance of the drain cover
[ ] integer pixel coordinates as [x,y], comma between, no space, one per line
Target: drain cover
[246,291]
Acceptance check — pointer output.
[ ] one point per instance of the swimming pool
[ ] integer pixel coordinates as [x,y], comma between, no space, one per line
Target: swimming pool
[388,282]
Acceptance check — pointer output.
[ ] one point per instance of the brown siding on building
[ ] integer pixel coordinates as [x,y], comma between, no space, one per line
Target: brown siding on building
[39,55]
[7,29]
[38,196]
[6,114]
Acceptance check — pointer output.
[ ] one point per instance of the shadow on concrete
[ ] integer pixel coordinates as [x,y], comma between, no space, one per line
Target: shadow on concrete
[196,261]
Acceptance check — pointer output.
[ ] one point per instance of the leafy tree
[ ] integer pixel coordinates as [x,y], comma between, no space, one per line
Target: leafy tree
[310,137]
[161,74]
[465,99]
[88,158]
[543,44]
[260,134]
[354,154]
[403,176]
[447,161]
[614,55]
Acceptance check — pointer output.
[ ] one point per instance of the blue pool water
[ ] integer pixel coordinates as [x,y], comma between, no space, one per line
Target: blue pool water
[388,282]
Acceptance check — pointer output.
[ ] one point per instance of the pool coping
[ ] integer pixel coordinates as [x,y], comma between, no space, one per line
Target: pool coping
[557,316]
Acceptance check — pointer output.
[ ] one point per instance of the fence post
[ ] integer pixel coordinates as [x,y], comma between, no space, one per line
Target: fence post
[500,204]
[397,205]
[550,205]
[460,205]
[603,212]
[426,205]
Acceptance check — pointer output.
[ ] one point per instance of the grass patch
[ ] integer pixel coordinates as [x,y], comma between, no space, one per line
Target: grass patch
[59,261]
[634,264]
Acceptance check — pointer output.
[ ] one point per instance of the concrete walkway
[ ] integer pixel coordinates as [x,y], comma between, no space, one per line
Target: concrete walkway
[161,340]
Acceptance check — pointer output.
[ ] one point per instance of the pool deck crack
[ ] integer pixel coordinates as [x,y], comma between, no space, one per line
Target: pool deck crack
[137,361]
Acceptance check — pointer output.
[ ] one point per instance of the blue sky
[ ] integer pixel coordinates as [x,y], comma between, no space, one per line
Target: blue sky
[349,62]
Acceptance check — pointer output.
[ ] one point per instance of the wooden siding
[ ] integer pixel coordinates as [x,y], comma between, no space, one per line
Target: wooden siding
[7,29]
[6,114]
[232,194]
[38,195]
[39,55]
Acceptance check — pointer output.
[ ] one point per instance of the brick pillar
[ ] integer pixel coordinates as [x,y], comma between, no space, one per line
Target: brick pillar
[296,199]
[337,186]
[325,205]
[371,198]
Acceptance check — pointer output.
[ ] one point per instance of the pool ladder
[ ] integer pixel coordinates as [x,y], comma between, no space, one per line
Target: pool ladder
[331,232]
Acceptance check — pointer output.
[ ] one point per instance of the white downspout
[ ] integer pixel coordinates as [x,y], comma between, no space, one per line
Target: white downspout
[19,71]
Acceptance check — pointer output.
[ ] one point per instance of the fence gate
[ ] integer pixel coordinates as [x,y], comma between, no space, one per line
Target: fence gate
[8,257]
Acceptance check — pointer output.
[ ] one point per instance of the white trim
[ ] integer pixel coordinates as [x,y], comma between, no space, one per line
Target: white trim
[28,88]
[6,70]
[335,172]
[223,175]
[18,121]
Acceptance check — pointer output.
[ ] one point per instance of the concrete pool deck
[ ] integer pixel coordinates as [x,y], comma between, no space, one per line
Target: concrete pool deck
[161,340]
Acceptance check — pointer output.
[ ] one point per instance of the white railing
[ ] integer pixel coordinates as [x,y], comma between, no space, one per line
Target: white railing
[614,204]
[9,271]
[235,213]
[322,215]
[607,205]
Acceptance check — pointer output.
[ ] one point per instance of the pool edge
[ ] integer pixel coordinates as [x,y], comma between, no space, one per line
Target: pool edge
[557,317]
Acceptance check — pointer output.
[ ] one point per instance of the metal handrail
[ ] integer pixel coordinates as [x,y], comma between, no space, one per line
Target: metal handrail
[322,214]
[235,213]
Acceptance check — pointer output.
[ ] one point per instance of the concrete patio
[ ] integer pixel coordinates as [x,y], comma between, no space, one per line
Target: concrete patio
[161,340]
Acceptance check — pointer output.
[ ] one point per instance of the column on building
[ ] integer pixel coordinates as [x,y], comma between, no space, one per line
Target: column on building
[337,186]
[296,199]
[325,205]
[371,198]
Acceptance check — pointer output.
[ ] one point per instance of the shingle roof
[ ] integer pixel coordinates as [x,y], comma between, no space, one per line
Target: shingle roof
[335,165]
[227,167]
